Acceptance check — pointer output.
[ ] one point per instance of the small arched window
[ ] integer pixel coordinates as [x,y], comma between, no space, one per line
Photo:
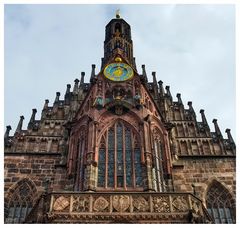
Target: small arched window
[220,203]
[119,159]
[118,28]
[20,202]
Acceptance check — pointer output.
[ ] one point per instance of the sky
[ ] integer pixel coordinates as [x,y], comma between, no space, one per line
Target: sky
[191,48]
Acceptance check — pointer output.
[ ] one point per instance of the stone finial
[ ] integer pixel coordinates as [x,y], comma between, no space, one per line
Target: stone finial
[82,78]
[230,138]
[161,89]
[57,97]
[154,77]
[155,85]
[75,88]
[217,129]
[93,73]
[34,111]
[8,129]
[68,89]
[191,108]
[204,120]
[144,74]
[179,98]
[168,93]
[46,104]
[20,123]
[67,94]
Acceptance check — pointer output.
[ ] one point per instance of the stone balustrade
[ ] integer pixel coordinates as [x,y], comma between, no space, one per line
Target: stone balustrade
[126,207]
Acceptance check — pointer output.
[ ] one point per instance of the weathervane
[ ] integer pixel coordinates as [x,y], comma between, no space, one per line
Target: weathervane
[118,13]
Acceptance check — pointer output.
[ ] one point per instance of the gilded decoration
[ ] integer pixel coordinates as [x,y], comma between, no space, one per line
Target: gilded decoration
[121,203]
[80,204]
[100,204]
[179,204]
[140,204]
[161,204]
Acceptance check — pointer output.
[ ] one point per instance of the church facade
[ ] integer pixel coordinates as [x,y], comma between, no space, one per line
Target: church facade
[119,149]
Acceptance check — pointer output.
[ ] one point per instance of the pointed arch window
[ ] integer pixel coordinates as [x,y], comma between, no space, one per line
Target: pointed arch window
[220,203]
[21,202]
[119,159]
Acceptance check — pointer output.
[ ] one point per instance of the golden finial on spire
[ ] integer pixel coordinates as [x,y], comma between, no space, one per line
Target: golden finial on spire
[118,13]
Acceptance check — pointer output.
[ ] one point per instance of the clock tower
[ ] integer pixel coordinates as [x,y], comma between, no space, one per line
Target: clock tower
[119,149]
[128,146]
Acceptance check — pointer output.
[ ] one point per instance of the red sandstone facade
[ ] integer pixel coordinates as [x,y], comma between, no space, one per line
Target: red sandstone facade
[119,152]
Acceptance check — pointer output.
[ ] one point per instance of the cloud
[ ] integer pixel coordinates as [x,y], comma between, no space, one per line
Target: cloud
[191,47]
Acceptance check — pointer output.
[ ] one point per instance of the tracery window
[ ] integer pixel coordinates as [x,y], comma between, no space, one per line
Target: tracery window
[119,159]
[21,203]
[220,204]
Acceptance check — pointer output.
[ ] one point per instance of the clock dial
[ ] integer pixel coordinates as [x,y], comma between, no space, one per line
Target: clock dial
[118,72]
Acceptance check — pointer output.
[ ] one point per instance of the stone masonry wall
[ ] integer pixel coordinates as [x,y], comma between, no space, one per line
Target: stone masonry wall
[201,172]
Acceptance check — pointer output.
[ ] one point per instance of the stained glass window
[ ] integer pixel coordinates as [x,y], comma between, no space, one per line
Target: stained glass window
[220,204]
[123,162]
[111,151]
[128,151]
[138,167]
[101,168]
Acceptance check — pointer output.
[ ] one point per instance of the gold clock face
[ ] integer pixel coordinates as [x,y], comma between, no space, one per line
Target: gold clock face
[118,72]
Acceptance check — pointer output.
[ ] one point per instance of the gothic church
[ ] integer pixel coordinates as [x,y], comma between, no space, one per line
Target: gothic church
[118,149]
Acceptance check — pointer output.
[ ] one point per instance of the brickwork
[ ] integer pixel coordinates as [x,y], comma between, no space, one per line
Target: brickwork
[200,172]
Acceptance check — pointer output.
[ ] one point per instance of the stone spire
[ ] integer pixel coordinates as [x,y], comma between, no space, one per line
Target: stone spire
[204,120]
[45,107]
[8,129]
[230,138]
[161,89]
[144,74]
[20,123]
[92,78]
[67,96]
[179,98]
[191,109]
[57,97]
[32,119]
[82,79]
[75,88]
[217,129]
[168,93]
[155,85]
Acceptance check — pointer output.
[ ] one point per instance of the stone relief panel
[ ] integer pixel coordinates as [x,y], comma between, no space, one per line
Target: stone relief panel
[61,204]
[121,203]
[179,204]
[101,204]
[141,204]
[80,204]
[161,204]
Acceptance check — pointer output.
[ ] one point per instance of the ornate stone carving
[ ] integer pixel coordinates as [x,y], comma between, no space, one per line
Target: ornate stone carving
[60,203]
[179,204]
[140,204]
[80,204]
[161,204]
[196,207]
[121,203]
[100,204]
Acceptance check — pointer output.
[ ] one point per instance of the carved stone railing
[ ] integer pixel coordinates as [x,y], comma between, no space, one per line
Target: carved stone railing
[123,207]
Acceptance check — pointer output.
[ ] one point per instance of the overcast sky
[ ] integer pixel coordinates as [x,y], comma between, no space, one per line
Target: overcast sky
[191,48]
